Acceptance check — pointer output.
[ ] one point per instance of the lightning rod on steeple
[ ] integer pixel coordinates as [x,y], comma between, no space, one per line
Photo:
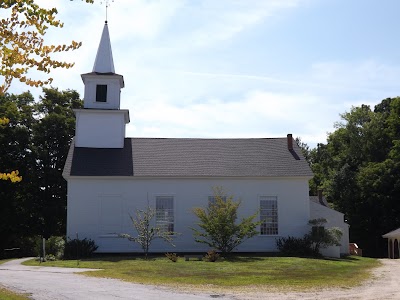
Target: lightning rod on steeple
[107,3]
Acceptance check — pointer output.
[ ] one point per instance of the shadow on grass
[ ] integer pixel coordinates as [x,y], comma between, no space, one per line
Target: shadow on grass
[344,258]
[242,259]
[118,258]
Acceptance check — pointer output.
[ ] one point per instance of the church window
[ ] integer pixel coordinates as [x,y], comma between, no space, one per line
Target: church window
[165,213]
[269,215]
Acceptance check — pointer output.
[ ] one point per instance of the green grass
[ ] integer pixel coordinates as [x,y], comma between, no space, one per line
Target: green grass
[237,272]
[2,261]
[9,295]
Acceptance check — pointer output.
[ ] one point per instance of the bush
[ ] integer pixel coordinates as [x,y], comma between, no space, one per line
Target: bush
[212,256]
[293,246]
[18,246]
[172,256]
[50,257]
[55,246]
[76,249]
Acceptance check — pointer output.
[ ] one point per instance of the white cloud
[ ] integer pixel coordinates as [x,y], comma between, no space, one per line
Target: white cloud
[256,114]
[368,75]
[208,22]
[166,51]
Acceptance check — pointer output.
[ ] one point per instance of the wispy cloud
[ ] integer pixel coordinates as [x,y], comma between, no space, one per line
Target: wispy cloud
[180,62]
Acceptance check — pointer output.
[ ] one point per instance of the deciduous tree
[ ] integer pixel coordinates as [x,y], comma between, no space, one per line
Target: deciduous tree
[36,142]
[22,44]
[218,225]
[146,231]
[358,168]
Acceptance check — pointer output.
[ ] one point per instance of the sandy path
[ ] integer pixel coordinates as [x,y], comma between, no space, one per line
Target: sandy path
[62,283]
[384,284]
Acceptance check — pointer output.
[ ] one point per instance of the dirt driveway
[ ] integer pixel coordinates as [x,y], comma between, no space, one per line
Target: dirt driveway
[384,284]
[61,283]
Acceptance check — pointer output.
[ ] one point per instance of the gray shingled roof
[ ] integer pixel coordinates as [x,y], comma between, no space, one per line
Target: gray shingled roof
[185,157]
[322,201]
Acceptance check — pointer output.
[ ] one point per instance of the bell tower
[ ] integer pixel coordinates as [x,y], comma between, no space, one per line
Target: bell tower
[101,123]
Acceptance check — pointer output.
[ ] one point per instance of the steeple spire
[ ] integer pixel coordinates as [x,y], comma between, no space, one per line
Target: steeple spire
[104,60]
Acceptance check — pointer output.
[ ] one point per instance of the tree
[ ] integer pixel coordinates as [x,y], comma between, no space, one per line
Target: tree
[322,237]
[51,137]
[218,224]
[22,45]
[13,176]
[358,168]
[36,142]
[22,49]
[146,232]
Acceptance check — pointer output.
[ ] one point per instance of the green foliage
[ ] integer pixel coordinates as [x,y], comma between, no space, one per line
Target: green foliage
[359,168]
[55,246]
[77,249]
[6,294]
[146,232]
[36,142]
[295,246]
[23,246]
[322,237]
[50,257]
[22,43]
[172,256]
[311,243]
[211,256]
[218,224]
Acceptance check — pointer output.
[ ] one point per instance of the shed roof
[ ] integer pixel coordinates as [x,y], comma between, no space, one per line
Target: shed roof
[319,200]
[190,157]
[392,234]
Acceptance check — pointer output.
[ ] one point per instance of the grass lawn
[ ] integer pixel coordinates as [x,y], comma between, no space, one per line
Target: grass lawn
[237,272]
[7,294]
[2,261]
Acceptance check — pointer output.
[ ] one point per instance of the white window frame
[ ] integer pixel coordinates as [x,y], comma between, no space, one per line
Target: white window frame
[165,217]
[269,215]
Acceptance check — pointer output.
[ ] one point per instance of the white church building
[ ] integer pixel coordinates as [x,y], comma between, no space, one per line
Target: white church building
[110,176]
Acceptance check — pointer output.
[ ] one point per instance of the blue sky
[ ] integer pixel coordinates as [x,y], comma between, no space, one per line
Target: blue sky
[237,68]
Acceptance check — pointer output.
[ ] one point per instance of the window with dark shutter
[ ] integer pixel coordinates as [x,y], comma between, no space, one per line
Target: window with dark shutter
[101,93]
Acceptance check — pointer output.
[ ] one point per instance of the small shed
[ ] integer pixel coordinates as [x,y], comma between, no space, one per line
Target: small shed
[393,243]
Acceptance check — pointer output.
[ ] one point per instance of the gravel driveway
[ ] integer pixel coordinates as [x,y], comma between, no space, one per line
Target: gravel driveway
[45,283]
[51,283]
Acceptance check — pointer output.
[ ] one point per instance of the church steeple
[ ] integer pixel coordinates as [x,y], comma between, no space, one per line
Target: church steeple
[103,85]
[101,123]
[104,62]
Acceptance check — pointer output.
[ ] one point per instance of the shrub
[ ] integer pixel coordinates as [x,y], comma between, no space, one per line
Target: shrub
[322,237]
[212,256]
[172,256]
[50,257]
[310,245]
[55,246]
[76,249]
[293,246]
